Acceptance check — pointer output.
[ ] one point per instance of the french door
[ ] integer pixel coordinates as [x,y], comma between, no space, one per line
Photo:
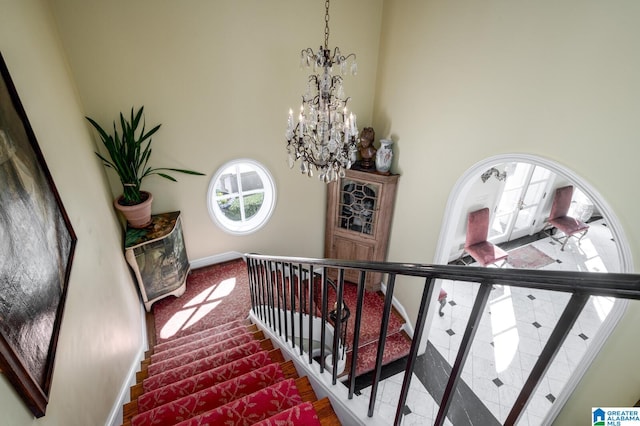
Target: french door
[524,192]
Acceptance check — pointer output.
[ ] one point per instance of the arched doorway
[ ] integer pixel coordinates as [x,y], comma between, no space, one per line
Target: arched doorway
[456,210]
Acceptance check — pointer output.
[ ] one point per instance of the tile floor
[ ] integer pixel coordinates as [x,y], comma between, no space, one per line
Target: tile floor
[512,332]
[420,409]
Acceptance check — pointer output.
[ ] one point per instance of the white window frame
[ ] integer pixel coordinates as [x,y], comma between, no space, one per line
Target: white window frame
[257,221]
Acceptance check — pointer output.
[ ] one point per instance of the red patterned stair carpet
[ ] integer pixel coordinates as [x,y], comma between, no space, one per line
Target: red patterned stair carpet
[228,374]
[397,344]
[209,363]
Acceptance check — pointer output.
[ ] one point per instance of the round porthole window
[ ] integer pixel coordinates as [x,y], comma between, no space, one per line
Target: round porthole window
[241,196]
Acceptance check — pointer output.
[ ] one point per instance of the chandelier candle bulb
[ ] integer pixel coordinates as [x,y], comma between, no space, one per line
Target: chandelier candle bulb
[290,122]
[301,125]
[354,127]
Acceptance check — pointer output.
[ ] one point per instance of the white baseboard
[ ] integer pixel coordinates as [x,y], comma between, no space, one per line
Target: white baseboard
[216,258]
[116,414]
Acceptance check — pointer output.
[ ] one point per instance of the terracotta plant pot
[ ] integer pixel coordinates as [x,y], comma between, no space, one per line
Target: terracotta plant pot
[138,215]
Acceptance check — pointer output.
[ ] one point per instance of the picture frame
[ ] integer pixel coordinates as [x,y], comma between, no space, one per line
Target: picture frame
[37,244]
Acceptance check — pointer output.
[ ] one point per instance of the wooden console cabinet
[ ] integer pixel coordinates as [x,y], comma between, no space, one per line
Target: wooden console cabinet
[359,213]
[158,258]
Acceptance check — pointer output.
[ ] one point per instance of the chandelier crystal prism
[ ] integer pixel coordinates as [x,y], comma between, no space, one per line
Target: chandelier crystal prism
[324,136]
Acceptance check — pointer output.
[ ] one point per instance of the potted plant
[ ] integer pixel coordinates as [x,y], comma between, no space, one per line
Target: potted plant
[129,150]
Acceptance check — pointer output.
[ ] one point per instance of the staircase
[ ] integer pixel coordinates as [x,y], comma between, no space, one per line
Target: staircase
[229,374]
[397,343]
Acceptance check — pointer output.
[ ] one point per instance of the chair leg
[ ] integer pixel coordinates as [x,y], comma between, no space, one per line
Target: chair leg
[566,238]
[551,235]
[443,302]
[582,236]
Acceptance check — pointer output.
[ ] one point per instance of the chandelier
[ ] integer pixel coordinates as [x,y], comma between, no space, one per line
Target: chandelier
[324,136]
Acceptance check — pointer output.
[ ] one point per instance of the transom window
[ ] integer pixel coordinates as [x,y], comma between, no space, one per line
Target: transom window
[241,196]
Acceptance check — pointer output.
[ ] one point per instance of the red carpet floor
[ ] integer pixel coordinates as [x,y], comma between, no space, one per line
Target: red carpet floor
[215,295]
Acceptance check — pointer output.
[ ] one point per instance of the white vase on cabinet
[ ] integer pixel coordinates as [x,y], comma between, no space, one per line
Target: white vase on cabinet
[384,156]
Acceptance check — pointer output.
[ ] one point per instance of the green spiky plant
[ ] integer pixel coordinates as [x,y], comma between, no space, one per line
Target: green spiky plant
[129,151]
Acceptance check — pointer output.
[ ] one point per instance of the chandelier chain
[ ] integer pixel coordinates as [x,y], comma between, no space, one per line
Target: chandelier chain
[326,25]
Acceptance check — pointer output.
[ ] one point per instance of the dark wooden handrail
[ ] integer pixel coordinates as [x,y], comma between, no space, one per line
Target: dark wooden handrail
[626,286]
[581,285]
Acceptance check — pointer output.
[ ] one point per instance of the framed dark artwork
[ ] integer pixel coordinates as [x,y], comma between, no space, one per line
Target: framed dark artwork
[37,243]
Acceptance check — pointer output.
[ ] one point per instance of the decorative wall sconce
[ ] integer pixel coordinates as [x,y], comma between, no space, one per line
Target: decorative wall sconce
[493,172]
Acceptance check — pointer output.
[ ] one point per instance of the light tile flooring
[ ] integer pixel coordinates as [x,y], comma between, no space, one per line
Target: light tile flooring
[513,329]
[422,409]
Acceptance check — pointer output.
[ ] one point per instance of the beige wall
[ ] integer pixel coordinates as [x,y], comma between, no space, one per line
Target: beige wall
[100,335]
[220,76]
[462,81]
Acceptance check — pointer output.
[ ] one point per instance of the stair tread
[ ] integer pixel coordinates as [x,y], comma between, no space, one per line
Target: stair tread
[318,413]
[301,414]
[189,346]
[209,363]
[397,345]
[149,401]
[214,377]
[170,343]
[200,353]
[193,404]
[325,412]
[304,388]
[254,407]
[209,378]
